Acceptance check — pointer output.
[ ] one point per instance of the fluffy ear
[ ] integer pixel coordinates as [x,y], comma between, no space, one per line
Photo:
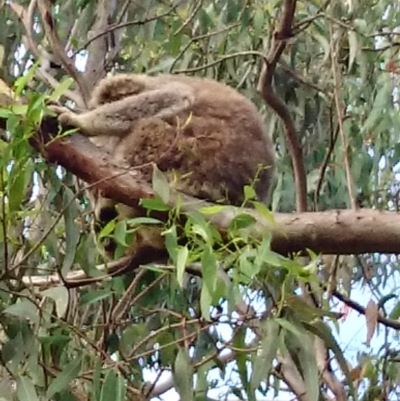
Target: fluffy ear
[116,88]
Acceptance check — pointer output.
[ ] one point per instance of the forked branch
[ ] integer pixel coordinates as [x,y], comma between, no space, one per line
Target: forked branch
[282,33]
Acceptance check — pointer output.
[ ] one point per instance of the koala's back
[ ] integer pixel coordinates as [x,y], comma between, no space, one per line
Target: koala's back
[212,150]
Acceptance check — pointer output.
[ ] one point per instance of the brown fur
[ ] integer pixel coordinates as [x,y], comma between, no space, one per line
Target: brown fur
[203,134]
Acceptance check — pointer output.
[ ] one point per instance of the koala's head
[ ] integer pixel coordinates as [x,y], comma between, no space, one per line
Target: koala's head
[116,88]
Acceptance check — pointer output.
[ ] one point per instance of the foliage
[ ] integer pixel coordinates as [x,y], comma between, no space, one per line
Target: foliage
[228,314]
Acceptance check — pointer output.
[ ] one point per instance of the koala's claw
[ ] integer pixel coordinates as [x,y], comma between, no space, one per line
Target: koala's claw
[58,110]
[64,115]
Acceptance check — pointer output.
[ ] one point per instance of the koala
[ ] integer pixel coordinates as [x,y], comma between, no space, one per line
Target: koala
[207,138]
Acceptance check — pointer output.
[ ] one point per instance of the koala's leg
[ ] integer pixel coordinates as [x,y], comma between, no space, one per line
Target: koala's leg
[119,117]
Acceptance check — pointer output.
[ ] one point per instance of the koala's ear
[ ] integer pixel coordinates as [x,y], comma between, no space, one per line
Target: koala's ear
[117,87]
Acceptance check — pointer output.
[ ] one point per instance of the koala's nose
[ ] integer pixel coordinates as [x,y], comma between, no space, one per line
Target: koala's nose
[103,216]
[107,214]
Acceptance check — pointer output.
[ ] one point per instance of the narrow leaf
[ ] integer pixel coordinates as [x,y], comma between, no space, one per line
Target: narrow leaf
[60,296]
[25,389]
[183,375]
[209,269]
[371,316]
[160,184]
[109,388]
[263,361]
[181,260]
[205,302]
[69,373]
[24,309]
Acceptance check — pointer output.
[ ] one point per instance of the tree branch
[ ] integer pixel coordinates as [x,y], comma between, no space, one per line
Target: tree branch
[26,18]
[330,232]
[98,49]
[57,48]
[280,36]
[394,324]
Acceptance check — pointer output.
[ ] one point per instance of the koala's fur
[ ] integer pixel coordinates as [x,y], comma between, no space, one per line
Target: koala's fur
[207,137]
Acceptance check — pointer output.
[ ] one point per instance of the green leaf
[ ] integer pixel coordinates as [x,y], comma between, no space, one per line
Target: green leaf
[209,269]
[19,180]
[320,329]
[163,66]
[69,373]
[114,387]
[24,309]
[258,22]
[263,360]
[181,260]
[304,311]
[154,204]
[142,221]
[205,303]
[60,296]
[120,233]
[212,209]
[121,388]
[96,386]
[19,109]
[242,221]
[381,102]
[22,81]
[263,251]
[25,389]
[183,375]
[72,230]
[171,242]
[325,45]
[395,313]
[353,48]
[108,229]
[249,193]
[246,263]
[60,90]
[241,358]
[160,184]
[94,296]
[200,227]
[300,345]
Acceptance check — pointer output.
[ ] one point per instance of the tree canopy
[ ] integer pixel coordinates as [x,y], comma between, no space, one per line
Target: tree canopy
[254,305]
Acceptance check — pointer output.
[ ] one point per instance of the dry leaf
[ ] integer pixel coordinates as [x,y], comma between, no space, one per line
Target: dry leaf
[371,315]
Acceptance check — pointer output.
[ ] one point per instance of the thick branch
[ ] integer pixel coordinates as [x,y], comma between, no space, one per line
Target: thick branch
[95,69]
[334,232]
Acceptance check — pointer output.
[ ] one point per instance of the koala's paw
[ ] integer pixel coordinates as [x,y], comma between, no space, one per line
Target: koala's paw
[58,109]
[65,116]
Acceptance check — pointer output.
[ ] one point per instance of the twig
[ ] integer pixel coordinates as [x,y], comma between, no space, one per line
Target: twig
[340,117]
[220,60]
[325,162]
[303,80]
[197,39]
[58,50]
[281,34]
[332,382]
[190,18]
[394,324]
[121,25]
[25,16]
